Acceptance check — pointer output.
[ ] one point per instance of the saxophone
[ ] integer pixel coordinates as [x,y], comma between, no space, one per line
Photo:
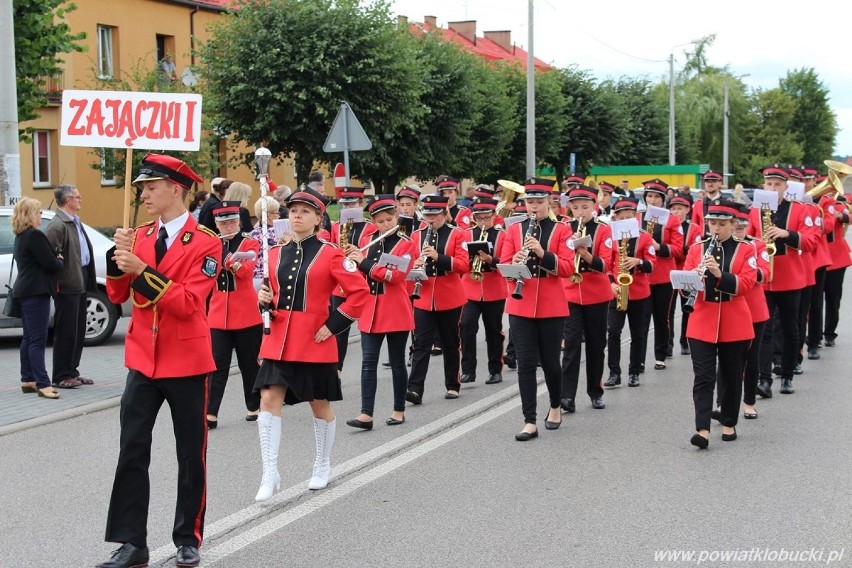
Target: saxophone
[577,277]
[476,266]
[766,223]
[518,294]
[650,226]
[427,240]
[345,231]
[624,278]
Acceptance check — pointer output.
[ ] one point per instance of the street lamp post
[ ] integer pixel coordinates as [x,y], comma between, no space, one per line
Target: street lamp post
[725,135]
[672,159]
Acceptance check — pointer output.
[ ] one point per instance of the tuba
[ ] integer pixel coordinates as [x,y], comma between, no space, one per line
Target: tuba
[511,192]
[624,278]
[837,172]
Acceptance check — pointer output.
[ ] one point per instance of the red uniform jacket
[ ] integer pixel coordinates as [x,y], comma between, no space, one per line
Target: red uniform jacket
[544,295]
[360,236]
[461,217]
[595,288]
[168,335]
[388,308]
[837,245]
[788,269]
[302,276]
[670,239]
[492,287]
[822,256]
[233,304]
[721,309]
[643,249]
[443,289]
[756,298]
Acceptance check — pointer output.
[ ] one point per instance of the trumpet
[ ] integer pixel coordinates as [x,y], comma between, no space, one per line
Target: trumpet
[576,278]
[624,278]
[427,240]
[518,294]
[702,266]
[476,266]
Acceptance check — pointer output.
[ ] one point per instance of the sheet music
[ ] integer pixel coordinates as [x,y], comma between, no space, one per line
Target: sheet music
[354,214]
[626,228]
[243,255]
[581,242]
[795,191]
[764,199]
[479,244]
[515,271]
[686,280]
[416,274]
[281,228]
[659,215]
[393,262]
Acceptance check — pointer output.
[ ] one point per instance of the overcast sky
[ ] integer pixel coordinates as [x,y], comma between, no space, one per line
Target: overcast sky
[627,38]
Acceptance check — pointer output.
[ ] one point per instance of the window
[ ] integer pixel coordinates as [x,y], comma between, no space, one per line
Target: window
[41,158]
[108,166]
[105,52]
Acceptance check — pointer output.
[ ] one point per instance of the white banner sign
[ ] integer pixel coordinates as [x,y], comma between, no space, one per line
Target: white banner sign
[121,119]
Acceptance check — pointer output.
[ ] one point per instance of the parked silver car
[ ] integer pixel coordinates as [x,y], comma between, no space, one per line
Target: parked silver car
[101,314]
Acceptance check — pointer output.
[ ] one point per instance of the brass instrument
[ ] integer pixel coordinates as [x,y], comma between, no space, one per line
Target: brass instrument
[511,192]
[702,266]
[476,266]
[345,231]
[427,240]
[624,278]
[519,283]
[576,277]
[650,226]
[766,223]
[837,172]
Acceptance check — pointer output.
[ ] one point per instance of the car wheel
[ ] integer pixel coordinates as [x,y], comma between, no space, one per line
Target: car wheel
[101,318]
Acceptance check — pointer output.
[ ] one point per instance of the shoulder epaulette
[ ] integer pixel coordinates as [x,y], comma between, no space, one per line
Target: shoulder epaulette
[207,230]
[145,224]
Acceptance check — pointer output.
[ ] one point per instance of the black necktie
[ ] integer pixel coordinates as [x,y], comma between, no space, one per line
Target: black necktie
[160,246]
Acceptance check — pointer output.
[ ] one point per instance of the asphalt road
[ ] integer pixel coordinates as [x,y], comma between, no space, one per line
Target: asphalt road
[451,487]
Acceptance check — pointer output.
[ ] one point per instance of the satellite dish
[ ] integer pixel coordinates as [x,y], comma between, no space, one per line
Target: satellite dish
[188,77]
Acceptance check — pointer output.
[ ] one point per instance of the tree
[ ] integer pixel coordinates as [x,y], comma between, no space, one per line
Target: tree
[643,136]
[41,35]
[814,123]
[770,138]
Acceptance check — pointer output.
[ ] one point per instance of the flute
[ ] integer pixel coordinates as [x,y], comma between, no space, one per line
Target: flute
[379,238]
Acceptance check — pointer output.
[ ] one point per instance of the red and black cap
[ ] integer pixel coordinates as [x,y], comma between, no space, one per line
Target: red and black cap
[606,187]
[520,206]
[410,192]
[679,200]
[712,175]
[574,180]
[582,192]
[775,171]
[723,209]
[309,196]
[809,172]
[433,204]
[794,172]
[351,194]
[382,203]
[538,187]
[656,185]
[447,182]
[484,205]
[226,210]
[625,203]
[484,190]
[743,211]
[160,166]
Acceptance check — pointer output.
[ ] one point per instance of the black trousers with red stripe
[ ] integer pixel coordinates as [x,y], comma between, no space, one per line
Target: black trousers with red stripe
[127,520]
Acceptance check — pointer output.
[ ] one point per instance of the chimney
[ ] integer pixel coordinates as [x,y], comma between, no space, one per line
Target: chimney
[402,21]
[466,29]
[431,22]
[501,38]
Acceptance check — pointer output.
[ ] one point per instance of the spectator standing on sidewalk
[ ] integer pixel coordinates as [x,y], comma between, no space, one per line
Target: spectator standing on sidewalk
[66,234]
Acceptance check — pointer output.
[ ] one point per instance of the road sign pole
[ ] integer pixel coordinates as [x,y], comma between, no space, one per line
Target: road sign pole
[344,108]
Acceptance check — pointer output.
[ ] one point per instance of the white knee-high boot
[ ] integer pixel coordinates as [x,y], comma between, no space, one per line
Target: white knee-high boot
[269,432]
[324,435]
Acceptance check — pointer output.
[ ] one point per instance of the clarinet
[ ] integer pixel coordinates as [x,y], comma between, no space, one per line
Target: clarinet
[518,294]
[693,294]
[427,238]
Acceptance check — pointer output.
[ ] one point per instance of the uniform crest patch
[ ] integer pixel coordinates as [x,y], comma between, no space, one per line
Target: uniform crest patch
[680,229]
[210,267]
[809,222]
[569,243]
[752,262]
[818,222]
[651,251]
[831,209]
[150,231]
[764,255]
[186,237]
[349,265]
[608,243]
[466,220]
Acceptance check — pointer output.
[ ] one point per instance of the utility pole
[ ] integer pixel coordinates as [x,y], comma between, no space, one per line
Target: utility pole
[10,157]
[530,97]
[671,110]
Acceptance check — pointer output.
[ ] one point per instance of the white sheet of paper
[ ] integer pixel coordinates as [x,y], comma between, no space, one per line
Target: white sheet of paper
[281,228]
[795,191]
[582,242]
[764,199]
[686,280]
[626,228]
[354,214]
[514,271]
[416,274]
[659,215]
[244,255]
[509,221]
[393,262]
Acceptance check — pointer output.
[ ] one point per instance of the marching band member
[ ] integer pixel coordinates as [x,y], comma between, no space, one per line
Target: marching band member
[407,199]
[840,259]
[387,315]
[815,263]
[639,262]
[716,334]
[605,192]
[234,324]
[441,298]
[792,229]
[299,362]
[589,295]
[359,233]
[485,290]
[458,216]
[519,208]
[538,317]
[681,207]
[556,208]
[712,193]
[668,244]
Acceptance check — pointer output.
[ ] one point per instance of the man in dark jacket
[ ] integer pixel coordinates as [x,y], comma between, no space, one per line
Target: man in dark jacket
[67,236]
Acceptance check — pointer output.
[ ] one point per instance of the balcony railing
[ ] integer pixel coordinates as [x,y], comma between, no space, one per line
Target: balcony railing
[52,88]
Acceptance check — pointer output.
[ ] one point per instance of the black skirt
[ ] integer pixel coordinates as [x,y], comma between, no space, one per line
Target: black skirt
[304,381]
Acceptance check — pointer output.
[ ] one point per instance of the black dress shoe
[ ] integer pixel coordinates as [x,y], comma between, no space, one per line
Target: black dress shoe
[386,364]
[128,556]
[510,361]
[829,342]
[699,441]
[797,370]
[776,369]
[613,381]
[633,380]
[659,365]
[437,350]
[813,354]
[413,398]
[187,556]
[211,424]
[598,404]
[526,436]
[394,422]
[355,423]
[548,425]
[764,388]
[684,350]
[493,379]
[568,405]
[729,437]
[786,386]
[468,378]
[641,368]
[750,415]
